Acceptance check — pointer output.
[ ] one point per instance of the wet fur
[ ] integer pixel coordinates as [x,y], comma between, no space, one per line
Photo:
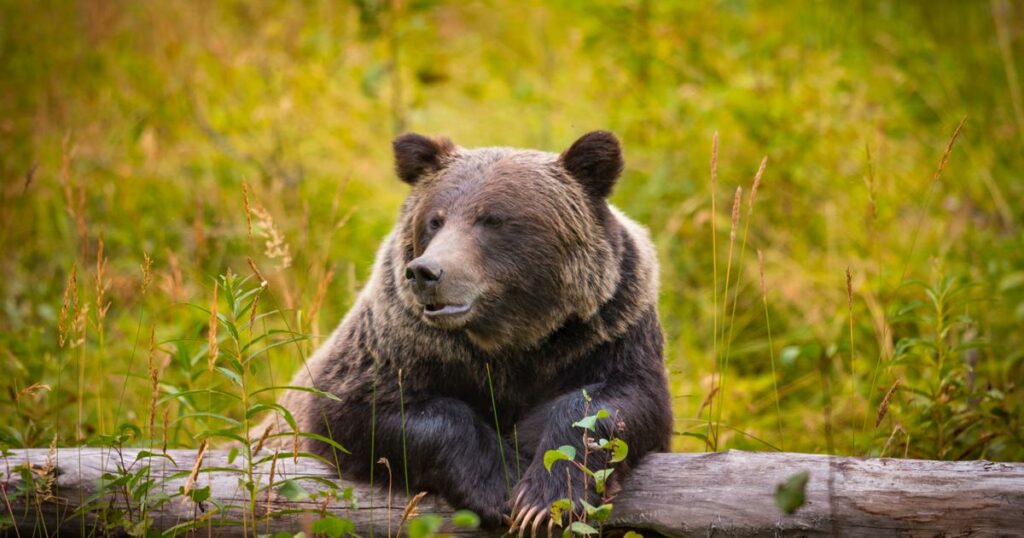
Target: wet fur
[586,322]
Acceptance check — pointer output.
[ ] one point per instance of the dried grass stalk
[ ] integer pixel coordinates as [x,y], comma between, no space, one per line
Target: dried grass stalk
[190,483]
[883,407]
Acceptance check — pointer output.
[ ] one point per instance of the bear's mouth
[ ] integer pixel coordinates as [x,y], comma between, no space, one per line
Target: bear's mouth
[438,310]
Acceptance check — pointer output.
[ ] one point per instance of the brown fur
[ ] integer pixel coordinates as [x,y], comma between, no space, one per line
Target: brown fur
[564,287]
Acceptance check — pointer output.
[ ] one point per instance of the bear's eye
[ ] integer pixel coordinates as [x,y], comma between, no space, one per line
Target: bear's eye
[435,223]
[491,221]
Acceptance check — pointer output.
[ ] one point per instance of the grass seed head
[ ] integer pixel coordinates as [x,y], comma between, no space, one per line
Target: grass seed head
[256,271]
[849,289]
[736,212]
[147,272]
[883,407]
[949,149]
[757,183]
[253,309]
[263,438]
[190,483]
[68,306]
[30,390]
[275,246]
[248,208]
[101,285]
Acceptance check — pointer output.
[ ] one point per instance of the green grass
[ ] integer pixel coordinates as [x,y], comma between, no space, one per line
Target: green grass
[139,124]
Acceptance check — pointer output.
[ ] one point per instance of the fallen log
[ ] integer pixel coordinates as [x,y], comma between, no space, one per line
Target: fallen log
[730,493]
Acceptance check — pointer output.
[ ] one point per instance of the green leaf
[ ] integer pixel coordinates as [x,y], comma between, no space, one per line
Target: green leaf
[138,528]
[564,452]
[332,526]
[466,519]
[279,343]
[559,508]
[587,423]
[258,408]
[199,495]
[599,513]
[579,527]
[129,431]
[147,454]
[600,477]
[697,435]
[227,324]
[327,440]
[235,378]
[232,454]
[226,433]
[619,450]
[632,534]
[791,494]
[310,390]
[114,479]
[242,298]
[292,491]
[590,422]
[266,335]
[229,420]
[174,392]
[424,526]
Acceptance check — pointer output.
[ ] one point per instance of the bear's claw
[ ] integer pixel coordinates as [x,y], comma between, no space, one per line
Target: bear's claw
[519,499]
[530,518]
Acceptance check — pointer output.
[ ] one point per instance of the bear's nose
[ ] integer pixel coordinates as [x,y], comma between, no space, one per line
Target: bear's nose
[426,273]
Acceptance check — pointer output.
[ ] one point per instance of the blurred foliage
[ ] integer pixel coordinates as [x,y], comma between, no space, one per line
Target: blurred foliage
[141,125]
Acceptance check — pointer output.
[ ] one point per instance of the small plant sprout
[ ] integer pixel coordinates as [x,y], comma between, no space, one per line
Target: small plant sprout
[792,494]
[579,518]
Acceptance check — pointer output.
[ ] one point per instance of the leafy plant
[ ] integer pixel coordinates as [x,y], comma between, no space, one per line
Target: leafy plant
[581,516]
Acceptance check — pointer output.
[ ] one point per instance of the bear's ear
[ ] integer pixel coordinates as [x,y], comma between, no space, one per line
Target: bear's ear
[595,160]
[416,155]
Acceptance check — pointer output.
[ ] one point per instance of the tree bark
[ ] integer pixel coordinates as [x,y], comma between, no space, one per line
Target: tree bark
[726,493]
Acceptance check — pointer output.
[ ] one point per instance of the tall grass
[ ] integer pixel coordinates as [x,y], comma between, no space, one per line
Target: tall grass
[714,287]
[771,347]
[723,361]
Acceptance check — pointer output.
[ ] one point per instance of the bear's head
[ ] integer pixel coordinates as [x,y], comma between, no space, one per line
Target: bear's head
[505,244]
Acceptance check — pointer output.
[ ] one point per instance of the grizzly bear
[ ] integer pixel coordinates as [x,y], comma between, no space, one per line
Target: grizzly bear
[509,300]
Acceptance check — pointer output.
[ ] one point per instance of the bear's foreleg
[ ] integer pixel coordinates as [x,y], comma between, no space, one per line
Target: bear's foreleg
[449,448]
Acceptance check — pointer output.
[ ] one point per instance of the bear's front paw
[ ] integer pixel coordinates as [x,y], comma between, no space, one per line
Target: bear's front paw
[490,506]
[478,490]
[536,491]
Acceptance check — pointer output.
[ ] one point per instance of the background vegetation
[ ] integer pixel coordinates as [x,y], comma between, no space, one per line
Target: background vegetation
[148,148]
